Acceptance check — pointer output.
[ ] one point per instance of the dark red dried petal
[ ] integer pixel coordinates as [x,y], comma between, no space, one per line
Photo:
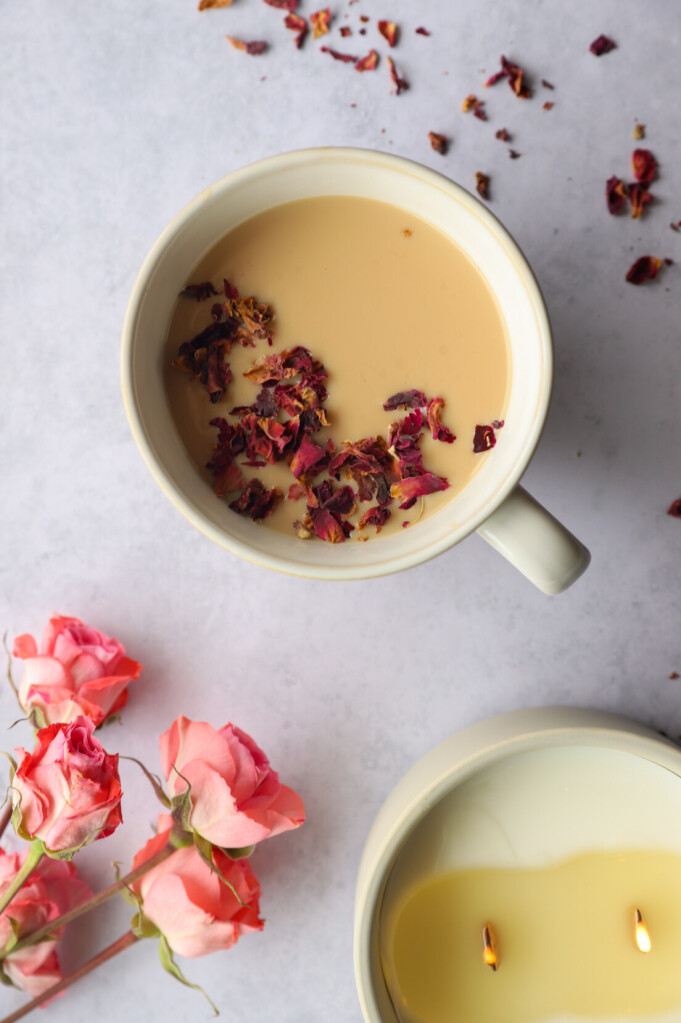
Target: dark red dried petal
[347,58]
[482,184]
[374,516]
[515,76]
[514,154]
[299,26]
[229,289]
[389,31]
[438,142]
[644,164]
[438,431]
[345,31]
[421,31]
[328,526]
[228,479]
[256,500]
[199,292]
[320,22]
[484,438]
[368,63]
[407,490]
[602,45]
[503,135]
[645,268]
[547,85]
[255,47]
[307,457]
[639,197]
[405,399]
[401,85]
[283,5]
[674,510]
[616,193]
[548,106]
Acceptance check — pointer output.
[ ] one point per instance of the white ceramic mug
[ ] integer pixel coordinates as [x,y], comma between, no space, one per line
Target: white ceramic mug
[492,503]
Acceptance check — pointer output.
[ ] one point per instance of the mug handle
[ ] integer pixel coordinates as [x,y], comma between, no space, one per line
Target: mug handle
[535,542]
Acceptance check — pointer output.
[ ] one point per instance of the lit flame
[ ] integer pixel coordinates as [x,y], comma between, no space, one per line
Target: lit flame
[489,954]
[641,932]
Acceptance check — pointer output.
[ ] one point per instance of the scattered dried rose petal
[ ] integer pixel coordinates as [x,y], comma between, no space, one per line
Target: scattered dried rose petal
[255,48]
[283,5]
[389,31]
[438,142]
[484,438]
[204,5]
[368,63]
[482,184]
[602,45]
[503,135]
[676,227]
[644,269]
[514,154]
[472,102]
[299,26]
[421,31]
[320,22]
[674,510]
[673,675]
[547,85]
[364,18]
[548,106]
[616,193]
[374,516]
[345,31]
[199,292]
[668,261]
[256,500]
[515,75]
[639,131]
[644,164]
[347,58]
[469,102]
[405,400]
[401,85]
[639,197]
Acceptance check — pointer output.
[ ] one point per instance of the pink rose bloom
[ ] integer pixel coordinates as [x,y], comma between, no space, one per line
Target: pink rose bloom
[237,799]
[52,889]
[195,911]
[77,670]
[67,791]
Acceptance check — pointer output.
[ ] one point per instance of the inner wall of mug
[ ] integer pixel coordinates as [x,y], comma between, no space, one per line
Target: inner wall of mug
[369,175]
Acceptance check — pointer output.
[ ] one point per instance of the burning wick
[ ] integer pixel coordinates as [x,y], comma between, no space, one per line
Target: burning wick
[489,954]
[641,932]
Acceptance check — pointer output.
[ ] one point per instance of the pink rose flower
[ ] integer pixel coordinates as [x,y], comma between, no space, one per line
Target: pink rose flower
[195,911]
[237,799]
[77,671]
[52,889]
[67,792]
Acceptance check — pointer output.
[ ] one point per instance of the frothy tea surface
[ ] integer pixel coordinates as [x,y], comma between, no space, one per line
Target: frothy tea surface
[387,303]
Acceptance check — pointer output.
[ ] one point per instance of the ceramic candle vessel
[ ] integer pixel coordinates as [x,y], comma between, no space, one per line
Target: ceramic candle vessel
[492,503]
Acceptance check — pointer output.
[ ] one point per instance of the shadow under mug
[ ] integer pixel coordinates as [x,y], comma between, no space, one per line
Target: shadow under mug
[492,502]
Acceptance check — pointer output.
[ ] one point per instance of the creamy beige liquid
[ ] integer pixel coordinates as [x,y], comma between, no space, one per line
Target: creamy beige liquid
[564,936]
[386,301]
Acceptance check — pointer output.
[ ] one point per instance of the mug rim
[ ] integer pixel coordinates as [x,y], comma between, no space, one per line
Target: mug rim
[391,163]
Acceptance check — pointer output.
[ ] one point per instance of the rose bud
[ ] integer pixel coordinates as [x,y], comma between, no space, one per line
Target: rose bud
[52,889]
[236,798]
[67,791]
[190,904]
[77,671]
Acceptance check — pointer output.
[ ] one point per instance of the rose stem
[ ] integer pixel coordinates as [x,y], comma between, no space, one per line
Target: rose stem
[5,818]
[35,855]
[96,900]
[125,941]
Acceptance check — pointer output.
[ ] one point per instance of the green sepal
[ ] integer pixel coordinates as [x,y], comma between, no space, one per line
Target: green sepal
[239,854]
[9,945]
[9,667]
[153,780]
[179,838]
[126,891]
[142,927]
[170,966]
[205,851]
[4,979]
[181,805]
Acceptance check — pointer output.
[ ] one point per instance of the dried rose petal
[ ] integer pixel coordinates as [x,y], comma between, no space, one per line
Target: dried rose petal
[645,165]
[255,48]
[283,5]
[674,510]
[407,490]
[320,22]
[548,106]
[547,85]
[199,292]
[472,102]
[616,193]
[514,154]
[374,516]
[401,85]
[438,431]
[503,135]
[307,457]
[482,184]
[345,31]
[438,142]
[602,45]
[421,31]
[299,26]
[405,399]
[469,102]
[228,479]
[204,5]
[256,500]
[347,58]
[368,63]
[484,438]
[676,227]
[644,269]
[515,75]
[639,131]
[389,31]
[639,197]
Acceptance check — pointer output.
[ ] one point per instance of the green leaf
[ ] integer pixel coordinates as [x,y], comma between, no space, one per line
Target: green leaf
[170,966]
[205,851]
[154,781]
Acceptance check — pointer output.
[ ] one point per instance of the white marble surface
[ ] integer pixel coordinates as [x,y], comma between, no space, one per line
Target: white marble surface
[113,116]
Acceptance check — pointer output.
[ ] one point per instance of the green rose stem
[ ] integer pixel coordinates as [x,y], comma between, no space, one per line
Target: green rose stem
[35,855]
[125,882]
[125,941]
